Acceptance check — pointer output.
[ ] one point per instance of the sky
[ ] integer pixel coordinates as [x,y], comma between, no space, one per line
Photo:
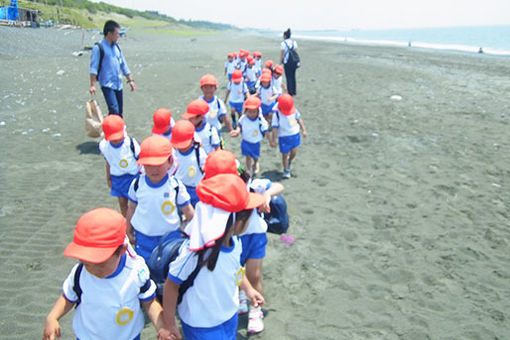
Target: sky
[332,14]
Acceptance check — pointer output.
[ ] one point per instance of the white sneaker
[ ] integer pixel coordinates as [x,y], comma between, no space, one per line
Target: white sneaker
[286,173]
[243,303]
[255,323]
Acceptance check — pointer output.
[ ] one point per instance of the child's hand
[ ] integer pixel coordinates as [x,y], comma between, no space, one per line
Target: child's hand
[304,133]
[52,328]
[265,208]
[173,334]
[272,144]
[256,298]
[234,133]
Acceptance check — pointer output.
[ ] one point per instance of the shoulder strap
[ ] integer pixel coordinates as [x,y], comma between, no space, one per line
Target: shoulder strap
[132,147]
[189,281]
[101,56]
[76,287]
[196,146]
[135,186]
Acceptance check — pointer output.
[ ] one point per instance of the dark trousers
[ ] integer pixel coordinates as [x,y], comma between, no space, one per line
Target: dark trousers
[290,75]
[113,99]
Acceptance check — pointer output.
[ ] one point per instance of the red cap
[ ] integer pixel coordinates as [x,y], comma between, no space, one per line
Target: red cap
[257,54]
[161,118]
[235,54]
[268,63]
[113,127]
[231,55]
[237,76]
[228,192]
[220,162]
[154,150]
[196,108]
[97,235]
[182,134]
[278,69]
[208,79]
[251,61]
[252,103]
[265,77]
[286,104]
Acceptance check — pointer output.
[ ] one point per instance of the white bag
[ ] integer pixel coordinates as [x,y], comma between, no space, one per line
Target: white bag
[93,119]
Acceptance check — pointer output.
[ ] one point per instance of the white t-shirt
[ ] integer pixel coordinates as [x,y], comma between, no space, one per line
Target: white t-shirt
[213,297]
[253,130]
[189,168]
[265,93]
[110,307]
[209,137]
[156,210]
[237,92]
[120,157]
[230,66]
[258,64]
[285,45]
[257,224]
[217,110]
[287,125]
[241,65]
[250,74]
[277,84]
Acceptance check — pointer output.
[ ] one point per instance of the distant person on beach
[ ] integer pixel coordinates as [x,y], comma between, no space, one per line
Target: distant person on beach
[106,64]
[107,286]
[120,153]
[290,68]
[236,94]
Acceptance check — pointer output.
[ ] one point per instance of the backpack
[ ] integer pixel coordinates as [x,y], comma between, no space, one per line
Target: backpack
[196,146]
[101,56]
[293,58]
[278,219]
[132,147]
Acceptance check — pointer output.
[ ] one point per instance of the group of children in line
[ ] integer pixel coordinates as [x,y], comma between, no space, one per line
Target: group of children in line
[180,183]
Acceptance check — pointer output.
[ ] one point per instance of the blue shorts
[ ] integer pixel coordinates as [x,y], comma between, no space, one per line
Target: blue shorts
[267,108]
[237,106]
[250,85]
[229,76]
[224,331]
[145,244]
[121,184]
[250,149]
[254,246]
[288,143]
[192,191]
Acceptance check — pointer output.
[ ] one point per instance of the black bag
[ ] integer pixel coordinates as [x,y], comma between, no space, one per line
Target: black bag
[278,219]
[293,58]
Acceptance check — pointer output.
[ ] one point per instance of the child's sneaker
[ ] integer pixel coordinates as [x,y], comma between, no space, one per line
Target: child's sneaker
[255,323]
[243,303]
[286,173]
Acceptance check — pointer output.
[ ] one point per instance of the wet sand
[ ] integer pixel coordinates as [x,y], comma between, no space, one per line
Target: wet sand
[399,208]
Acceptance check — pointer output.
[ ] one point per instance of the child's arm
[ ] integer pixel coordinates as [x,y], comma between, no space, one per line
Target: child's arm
[236,132]
[170,293]
[227,123]
[60,308]
[226,96]
[155,313]
[188,212]
[108,176]
[273,137]
[256,298]
[129,230]
[303,129]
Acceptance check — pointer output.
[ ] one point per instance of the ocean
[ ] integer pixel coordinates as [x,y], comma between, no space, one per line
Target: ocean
[493,40]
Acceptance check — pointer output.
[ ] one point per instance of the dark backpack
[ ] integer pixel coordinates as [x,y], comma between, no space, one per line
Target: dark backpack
[132,147]
[278,219]
[293,58]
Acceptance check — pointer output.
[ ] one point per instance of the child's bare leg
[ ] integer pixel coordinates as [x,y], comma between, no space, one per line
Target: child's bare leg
[285,160]
[249,164]
[269,118]
[255,166]
[254,273]
[292,155]
[123,204]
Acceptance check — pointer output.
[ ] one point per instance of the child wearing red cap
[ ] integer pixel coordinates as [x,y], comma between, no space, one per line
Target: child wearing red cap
[257,56]
[120,153]
[107,285]
[217,111]
[287,123]
[267,94]
[277,79]
[252,127]
[211,258]
[236,94]
[250,75]
[163,123]
[230,65]
[155,197]
[190,155]
[195,113]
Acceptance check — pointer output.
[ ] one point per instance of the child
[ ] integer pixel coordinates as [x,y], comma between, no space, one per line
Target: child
[209,262]
[236,94]
[217,111]
[120,153]
[163,123]
[257,56]
[269,64]
[195,113]
[254,239]
[154,198]
[286,123]
[230,65]
[191,157]
[107,285]
[267,94]
[277,79]
[252,127]
[242,62]
[250,76]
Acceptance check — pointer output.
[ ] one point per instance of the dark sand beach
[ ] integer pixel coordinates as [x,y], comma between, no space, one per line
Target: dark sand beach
[399,208]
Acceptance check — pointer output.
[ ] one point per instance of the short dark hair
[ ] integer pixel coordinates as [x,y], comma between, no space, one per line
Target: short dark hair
[286,34]
[110,26]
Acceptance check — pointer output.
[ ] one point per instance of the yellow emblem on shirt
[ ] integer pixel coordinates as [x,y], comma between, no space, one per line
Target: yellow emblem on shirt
[124,316]
[213,113]
[292,121]
[123,163]
[255,133]
[240,276]
[167,207]
[192,171]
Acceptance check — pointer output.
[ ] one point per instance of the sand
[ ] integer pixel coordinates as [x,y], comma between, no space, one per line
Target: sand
[399,208]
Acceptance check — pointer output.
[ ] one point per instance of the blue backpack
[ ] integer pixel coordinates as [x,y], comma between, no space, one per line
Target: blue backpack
[278,219]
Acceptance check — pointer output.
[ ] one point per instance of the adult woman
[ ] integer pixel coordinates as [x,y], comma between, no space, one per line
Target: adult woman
[290,68]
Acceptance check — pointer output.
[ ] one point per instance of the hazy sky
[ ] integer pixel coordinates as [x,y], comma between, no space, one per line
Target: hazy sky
[333,14]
